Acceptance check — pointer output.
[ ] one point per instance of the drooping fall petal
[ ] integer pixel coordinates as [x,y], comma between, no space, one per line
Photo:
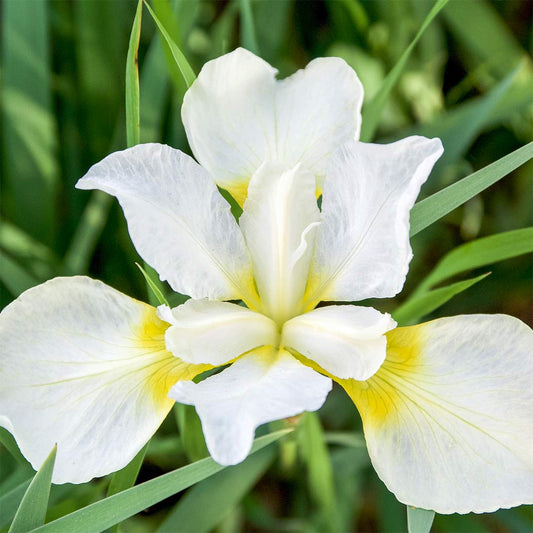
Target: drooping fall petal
[84,366]
[237,115]
[447,418]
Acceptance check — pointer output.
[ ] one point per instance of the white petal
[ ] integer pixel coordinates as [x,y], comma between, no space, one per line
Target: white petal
[279,223]
[345,340]
[85,367]
[212,332]
[237,116]
[362,246]
[258,388]
[447,417]
[177,219]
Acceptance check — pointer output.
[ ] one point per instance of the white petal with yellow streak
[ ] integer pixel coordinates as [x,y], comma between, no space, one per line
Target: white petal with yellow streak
[177,219]
[259,387]
[84,366]
[237,115]
[447,418]
[345,340]
[362,246]
[279,224]
[206,331]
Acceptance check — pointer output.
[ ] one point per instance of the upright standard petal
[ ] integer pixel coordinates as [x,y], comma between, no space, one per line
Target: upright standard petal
[178,221]
[260,387]
[84,366]
[237,115]
[447,418]
[345,340]
[279,223]
[362,246]
[205,331]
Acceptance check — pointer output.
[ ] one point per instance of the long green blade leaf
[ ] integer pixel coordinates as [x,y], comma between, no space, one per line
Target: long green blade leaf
[105,513]
[478,253]
[32,510]
[208,502]
[419,520]
[248,37]
[133,119]
[154,287]
[10,501]
[181,62]
[372,112]
[427,211]
[419,306]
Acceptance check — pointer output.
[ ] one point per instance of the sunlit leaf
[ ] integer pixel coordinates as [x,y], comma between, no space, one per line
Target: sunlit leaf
[419,520]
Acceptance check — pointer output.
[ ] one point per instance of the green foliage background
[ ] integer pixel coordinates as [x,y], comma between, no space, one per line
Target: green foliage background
[468,80]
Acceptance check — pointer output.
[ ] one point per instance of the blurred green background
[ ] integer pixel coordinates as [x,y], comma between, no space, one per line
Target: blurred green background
[469,81]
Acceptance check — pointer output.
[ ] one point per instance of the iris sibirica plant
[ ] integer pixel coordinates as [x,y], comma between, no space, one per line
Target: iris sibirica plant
[446,405]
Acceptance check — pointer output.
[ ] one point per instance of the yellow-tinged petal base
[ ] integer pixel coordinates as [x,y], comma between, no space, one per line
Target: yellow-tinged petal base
[379,398]
[167,369]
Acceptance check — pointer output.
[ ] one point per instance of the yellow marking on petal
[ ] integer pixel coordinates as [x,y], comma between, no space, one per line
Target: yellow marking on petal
[379,398]
[237,189]
[164,369]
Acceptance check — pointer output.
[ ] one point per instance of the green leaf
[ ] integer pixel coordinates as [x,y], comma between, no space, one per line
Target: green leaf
[479,253]
[248,37]
[160,297]
[29,158]
[87,233]
[417,307]
[429,210]
[133,119]
[105,513]
[181,62]
[190,430]
[16,278]
[10,444]
[32,509]
[125,478]
[208,502]
[315,453]
[372,111]
[419,520]
[10,501]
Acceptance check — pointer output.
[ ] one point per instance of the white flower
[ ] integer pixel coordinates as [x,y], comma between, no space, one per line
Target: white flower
[446,405]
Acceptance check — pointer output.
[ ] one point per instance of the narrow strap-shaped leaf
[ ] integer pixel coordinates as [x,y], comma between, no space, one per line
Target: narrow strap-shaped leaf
[429,210]
[478,253]
[372,112]
[180,59]
[153,286]
[248,37]
[208,502]
[10,501]
[315,453]
[10,444]
[419,306]
[133,120]
[419,520]
[105,513]
[32,509]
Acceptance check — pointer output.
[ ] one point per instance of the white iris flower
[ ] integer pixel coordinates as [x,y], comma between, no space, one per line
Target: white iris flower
[446,405]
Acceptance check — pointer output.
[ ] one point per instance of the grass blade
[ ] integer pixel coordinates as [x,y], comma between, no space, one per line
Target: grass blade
[248,36]
[479,253]
[208,502]
[10,501]
[32,509]
[431,209]
[155,288]
[181,62]
[372,111]
[419,306]
[133,119]
[110,511]
[419,520]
